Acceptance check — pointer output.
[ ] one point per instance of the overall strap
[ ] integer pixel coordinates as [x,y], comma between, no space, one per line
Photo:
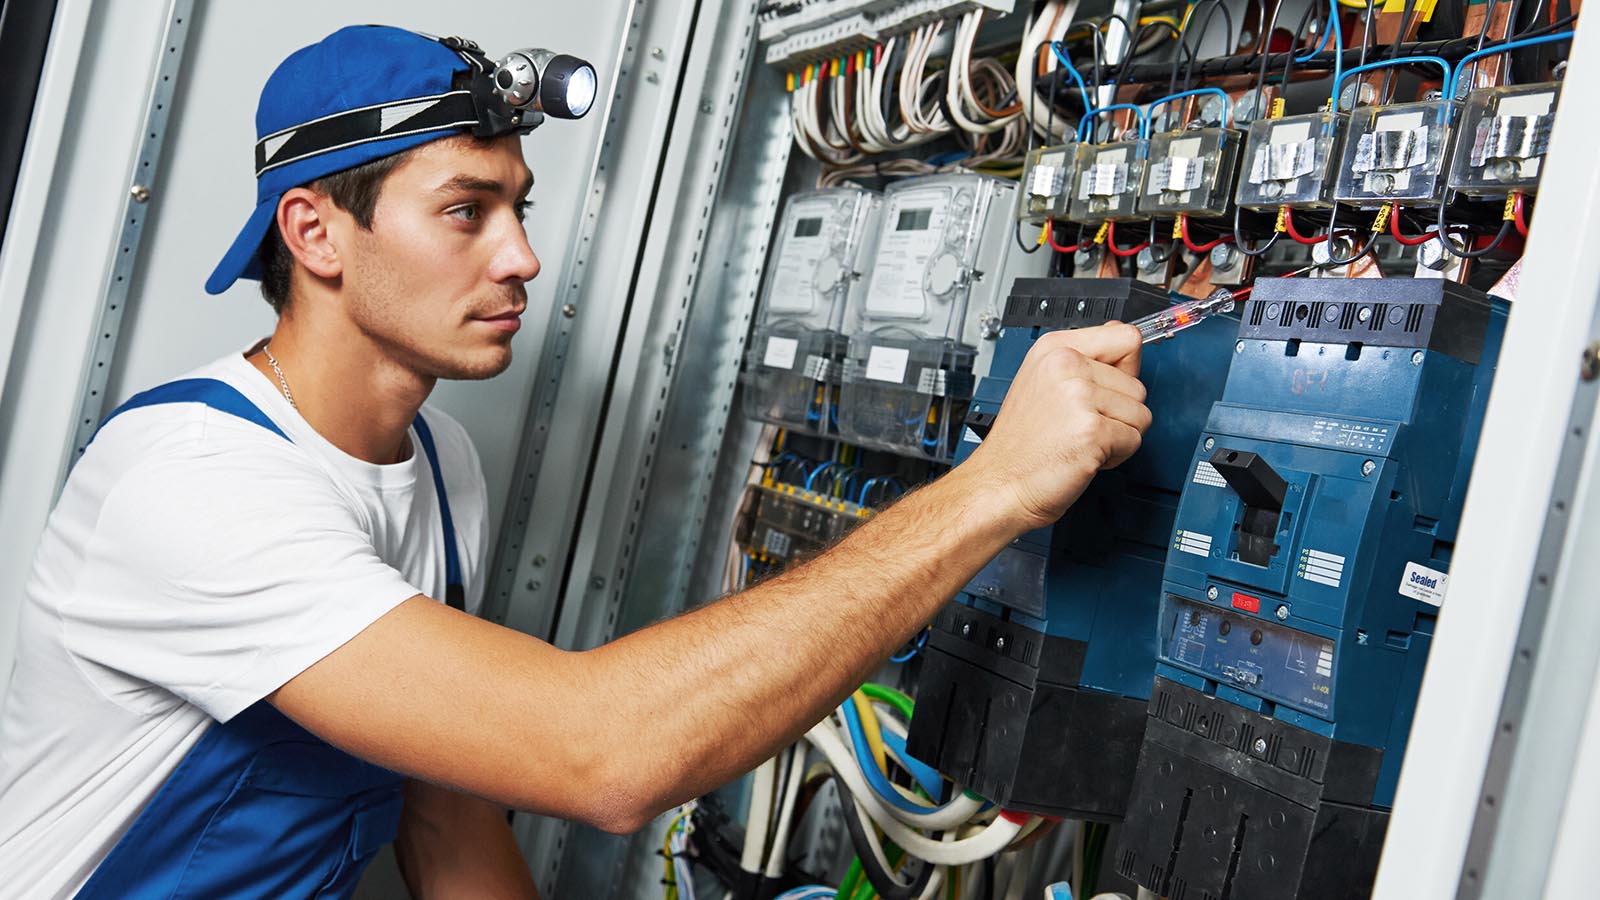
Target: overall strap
[219,395]
[454,593]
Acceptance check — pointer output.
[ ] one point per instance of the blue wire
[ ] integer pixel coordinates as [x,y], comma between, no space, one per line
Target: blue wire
[1083,89]
[906,656]
[1491,51]
[1227,102]
[818,471]
[1087,122]
[861,498]
[925,775]
[808,892]
[869,767]
[1386,63]
[1334,4]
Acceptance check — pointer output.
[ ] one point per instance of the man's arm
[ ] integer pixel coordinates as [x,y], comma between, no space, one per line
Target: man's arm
[614,735]
[454,845]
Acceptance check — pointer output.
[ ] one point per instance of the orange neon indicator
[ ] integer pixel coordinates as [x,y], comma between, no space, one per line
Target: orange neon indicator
[1168,322]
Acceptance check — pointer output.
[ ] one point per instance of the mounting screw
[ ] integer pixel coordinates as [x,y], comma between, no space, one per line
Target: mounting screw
[1147,261]
[1260,745]
[533,585]
[990,326]
[1044,305]
[569,310]
[657,53]
[706,107]
[1364,313]
[966,629]
[1211,592]
[1223,256]
[539,561]
[597,582]
[1282,612]
[1416,358]
[1591,362]
[1368,467]
[652,77]
[1239,347]
[1211,443]
[1000,643]
[139,193]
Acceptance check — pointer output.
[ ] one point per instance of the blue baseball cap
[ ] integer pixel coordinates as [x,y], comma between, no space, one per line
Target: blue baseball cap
[398,76]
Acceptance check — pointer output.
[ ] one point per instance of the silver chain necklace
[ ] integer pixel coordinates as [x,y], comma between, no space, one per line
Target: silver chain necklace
[282,382]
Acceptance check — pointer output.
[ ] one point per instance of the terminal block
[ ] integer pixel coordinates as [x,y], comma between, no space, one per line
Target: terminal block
[1108,179]
[1292,161]
[1047,184]
[1035,680]
[1190,173]
[791,524]
[1504,134]
[1396,152]
[1292,633]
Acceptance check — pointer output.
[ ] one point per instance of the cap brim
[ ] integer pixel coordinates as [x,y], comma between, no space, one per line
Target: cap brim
[242,260]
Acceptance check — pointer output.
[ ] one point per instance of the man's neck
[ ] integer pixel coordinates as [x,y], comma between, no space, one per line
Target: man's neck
[355,396]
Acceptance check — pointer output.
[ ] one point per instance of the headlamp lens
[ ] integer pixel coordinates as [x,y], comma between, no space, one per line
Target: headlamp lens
[568,87]
[581,90]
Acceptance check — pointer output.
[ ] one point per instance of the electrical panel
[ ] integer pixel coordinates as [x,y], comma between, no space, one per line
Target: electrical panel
[945,252]
[1108,176]
[798,32]
[1504,134]
[1396,152]
[1046,187]
[1035,680]
[822,247]
[1292,161]
[1190,172]
[791,524]
[1302,585]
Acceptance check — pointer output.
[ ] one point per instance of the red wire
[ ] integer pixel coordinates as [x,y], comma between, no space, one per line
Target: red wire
[1050,237]
[1111,243]
[1517,216]
[1183,228]
[1288,224]
[1394,230]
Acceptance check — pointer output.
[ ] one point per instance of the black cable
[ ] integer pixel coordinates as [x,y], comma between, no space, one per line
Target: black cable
[1017,233]
[1335,261]
[1367,33]
[1299,31]
[1394,48]
[1238,239]
[1271,26]
[1228,41]
[988,878]
[883,882]
[1444,239]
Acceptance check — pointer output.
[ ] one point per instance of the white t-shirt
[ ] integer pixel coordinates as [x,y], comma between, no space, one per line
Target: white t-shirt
[194,564]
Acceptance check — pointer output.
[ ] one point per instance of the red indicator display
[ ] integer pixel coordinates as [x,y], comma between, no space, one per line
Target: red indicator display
[1246,602]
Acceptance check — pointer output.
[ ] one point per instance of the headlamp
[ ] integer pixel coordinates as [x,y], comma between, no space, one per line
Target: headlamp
[511,96]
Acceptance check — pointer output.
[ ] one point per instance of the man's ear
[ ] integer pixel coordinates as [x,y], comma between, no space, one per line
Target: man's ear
[303,220]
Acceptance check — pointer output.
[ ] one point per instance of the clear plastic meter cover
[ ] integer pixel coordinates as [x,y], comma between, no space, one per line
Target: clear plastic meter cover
[908,378]
[1108,179]
[1290,161]
[1504,134]
[797,348]
[1396,152]
[1190,172]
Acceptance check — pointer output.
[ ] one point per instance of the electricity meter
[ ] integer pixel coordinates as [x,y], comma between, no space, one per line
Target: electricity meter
[1190,172]
[1108,181]
[1047,184]
[1396,152]
[1290,161]
[945,257]
[798,345]
[1504,134]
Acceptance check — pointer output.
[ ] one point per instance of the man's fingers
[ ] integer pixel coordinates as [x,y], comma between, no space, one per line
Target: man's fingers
[1114,344]
[1125,441]
[1124,409]
[1115,379]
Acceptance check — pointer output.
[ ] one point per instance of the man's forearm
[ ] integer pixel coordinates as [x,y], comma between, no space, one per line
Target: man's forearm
[709,694]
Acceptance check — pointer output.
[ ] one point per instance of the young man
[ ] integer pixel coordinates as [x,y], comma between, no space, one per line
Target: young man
[235,677]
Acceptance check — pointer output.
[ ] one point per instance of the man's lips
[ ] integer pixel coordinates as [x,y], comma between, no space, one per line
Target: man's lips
[509,321]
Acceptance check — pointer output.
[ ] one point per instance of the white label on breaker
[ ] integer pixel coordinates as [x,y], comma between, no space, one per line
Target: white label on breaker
[780,352]
[968,436]
[1423,583]
[888,364]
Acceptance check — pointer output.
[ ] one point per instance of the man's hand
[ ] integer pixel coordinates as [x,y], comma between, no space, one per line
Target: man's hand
[1074,409]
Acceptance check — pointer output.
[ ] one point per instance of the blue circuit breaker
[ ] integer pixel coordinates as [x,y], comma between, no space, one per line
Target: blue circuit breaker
[1034,683]
[1302,584]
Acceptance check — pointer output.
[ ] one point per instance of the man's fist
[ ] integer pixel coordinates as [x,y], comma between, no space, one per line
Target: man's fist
[1076,407]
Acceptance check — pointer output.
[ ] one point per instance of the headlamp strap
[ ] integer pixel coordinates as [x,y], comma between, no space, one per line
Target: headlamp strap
[350,128]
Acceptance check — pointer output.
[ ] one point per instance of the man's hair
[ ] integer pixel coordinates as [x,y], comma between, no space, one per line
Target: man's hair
[353,190]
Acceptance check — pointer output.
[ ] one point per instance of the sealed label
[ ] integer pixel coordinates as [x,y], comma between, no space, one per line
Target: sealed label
[888,364]
[1422,583]
[780,352]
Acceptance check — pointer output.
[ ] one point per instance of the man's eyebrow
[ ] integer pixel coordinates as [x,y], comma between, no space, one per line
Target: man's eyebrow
[483,185]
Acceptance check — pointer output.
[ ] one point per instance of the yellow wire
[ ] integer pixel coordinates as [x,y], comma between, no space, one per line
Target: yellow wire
[666,856]
[1352,4]
[869,725]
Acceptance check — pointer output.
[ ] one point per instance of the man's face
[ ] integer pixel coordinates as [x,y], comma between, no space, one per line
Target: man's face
[438,282]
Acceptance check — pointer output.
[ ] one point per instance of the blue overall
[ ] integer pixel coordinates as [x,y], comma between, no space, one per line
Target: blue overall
[260,807]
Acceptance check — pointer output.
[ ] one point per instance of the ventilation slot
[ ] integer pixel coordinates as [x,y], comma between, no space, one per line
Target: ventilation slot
[1234,856]
[1380,315]
[1414,318]
[1348,319]
[1288,313]
[1258,312]
[1317,310]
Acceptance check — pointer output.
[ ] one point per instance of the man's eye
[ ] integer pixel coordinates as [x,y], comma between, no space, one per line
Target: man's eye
[467,213]
[522,209]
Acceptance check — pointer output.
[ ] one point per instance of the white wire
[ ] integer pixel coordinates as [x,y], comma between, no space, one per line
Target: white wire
[991,840]
[760,818]
[791,795]
[958,811]
[1051,127]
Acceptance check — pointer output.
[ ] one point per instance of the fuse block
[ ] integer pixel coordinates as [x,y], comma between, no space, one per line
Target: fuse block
[1190,172]
[1504,134]
[1290,161]
[1108,180]
[1396,152]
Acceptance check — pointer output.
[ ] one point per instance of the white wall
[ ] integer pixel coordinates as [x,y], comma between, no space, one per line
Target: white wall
[202,194]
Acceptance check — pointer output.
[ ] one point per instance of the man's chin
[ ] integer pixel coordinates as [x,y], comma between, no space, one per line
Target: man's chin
[481,366]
